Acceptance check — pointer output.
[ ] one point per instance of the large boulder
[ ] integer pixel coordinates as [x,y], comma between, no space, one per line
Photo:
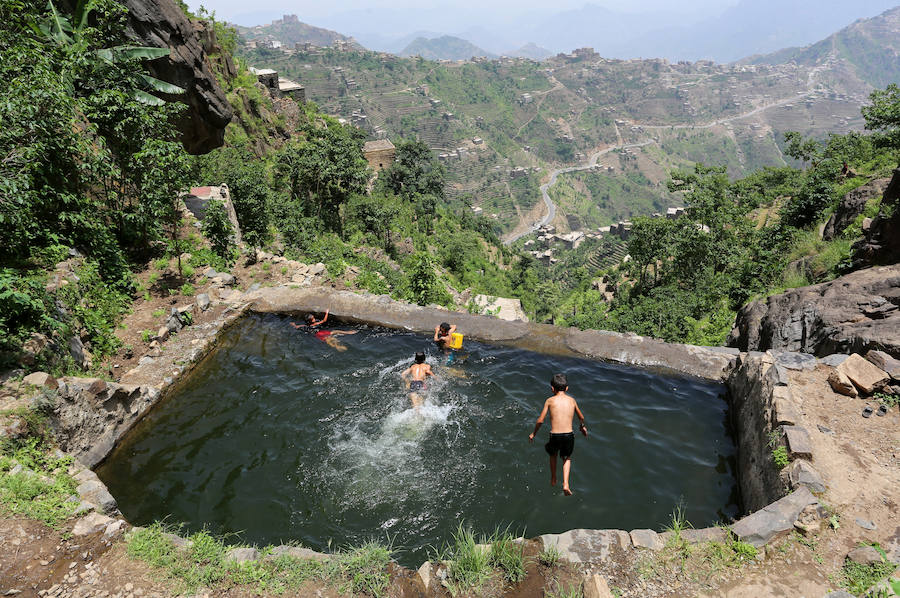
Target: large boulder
[881,244]
[851,314]
[852,205]
[162,24]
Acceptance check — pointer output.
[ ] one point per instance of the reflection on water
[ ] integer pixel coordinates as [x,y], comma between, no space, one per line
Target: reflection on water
[281,438]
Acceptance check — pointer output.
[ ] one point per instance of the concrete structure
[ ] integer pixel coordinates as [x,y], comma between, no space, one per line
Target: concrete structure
[269,78]
[292,89]
[379,153]
[500,307]
[199,197]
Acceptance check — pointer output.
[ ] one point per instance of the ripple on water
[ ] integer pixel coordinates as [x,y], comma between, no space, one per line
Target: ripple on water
[281,438]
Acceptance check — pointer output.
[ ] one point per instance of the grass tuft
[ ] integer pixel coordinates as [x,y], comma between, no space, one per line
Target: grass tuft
[549,556]
[508,555]
[470,565]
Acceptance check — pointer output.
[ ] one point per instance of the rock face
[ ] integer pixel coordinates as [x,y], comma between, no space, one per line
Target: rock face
[882,242]
[852,205]
[91,415]
[162,24]
[851,314]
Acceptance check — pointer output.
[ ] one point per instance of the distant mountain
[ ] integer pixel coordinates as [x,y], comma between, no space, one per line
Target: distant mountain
[750,27]
[531,50]
[290,30]
[445,47]
[870,46]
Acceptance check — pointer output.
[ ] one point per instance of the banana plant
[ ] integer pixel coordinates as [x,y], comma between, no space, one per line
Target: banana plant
[61,30]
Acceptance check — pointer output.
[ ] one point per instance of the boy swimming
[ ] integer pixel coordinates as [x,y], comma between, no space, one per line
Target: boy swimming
[326,336]
[562,409]
[418,371]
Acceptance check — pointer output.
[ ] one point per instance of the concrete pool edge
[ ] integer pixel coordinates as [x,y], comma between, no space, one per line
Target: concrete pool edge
[760,392]
[710,363]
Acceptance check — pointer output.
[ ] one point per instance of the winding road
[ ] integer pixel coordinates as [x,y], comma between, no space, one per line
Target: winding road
[551,207]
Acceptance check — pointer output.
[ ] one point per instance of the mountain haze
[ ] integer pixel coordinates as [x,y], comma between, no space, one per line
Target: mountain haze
[290,30]
[871,47]
[445,47]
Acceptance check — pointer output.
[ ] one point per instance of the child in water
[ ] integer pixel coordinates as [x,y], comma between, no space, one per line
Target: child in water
[326,336]
[418,371]
[562,409]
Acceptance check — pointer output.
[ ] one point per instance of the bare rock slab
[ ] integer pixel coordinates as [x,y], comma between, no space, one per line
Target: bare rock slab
[802,473]
[297,552]
[883,361]
[706,534]
[424,575]
[798,443]
[242,555]
[865,375]
[91,524]
[595,586]
[646,538]
[841,384]
[865,555]
[775,519]
[41,380]
[587,545]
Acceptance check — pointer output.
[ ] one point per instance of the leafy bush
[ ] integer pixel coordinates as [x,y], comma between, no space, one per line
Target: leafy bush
[218,230]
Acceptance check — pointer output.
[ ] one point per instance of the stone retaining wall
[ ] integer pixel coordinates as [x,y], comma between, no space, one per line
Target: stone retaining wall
[93,415]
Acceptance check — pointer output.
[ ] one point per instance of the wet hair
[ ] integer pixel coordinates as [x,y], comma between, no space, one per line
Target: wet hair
[420,357]
[559,382]
[310,318]
[445,327]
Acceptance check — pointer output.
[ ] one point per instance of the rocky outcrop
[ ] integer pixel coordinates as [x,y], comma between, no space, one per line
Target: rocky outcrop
[852,205]
[92,414]
[851,314]
[881,244]
[162,24]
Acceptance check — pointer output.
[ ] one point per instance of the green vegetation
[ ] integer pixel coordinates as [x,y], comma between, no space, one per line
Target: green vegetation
[470,564]
[549,556]
[33,482]
[204,562]
[857,578]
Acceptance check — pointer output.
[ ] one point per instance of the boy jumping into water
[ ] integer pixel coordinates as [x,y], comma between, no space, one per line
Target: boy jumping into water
[562,409]
[418,371]
[326,336]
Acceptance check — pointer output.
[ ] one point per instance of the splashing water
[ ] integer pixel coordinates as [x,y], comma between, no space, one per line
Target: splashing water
[280,438]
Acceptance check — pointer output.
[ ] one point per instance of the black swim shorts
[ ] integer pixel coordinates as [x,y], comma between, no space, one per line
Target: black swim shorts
[563,444]
[417,385]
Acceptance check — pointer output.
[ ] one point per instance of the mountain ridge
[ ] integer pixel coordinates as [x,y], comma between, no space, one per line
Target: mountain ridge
[445,47]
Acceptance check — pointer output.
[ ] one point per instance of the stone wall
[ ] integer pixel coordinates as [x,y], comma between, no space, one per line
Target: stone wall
[751,387]
[711,363]
[92,415]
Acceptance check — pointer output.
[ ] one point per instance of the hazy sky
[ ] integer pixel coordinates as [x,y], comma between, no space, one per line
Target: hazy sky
[311,10]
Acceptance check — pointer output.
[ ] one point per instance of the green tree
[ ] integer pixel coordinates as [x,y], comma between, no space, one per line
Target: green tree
[373,214]
[883,115]
[424,285]
[418,177]
[217,228]
[166,174]
[323,171]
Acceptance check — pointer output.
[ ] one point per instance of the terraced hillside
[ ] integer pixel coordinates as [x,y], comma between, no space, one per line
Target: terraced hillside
[502,126]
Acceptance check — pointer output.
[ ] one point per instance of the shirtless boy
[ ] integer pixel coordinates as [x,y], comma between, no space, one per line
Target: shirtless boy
[326,336]
[562,409]
[443,333]
[418,371]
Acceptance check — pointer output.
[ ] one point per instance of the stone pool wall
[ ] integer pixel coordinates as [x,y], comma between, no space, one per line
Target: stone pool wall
[93,415]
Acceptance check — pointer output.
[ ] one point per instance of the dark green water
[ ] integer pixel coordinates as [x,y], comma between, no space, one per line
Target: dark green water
[280,437]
